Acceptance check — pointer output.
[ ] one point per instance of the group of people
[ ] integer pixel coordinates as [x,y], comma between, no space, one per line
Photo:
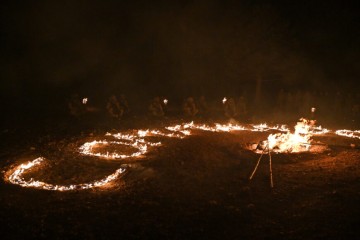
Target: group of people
[233,109]
[115,107]
[200,108]
[118,107]
[323,106]
[158,107]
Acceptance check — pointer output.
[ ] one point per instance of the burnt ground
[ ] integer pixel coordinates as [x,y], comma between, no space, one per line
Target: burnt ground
[194,188]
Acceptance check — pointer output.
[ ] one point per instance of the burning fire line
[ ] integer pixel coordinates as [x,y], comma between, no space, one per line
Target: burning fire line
[16,178]
[263,127]
[298,141]
[349,133]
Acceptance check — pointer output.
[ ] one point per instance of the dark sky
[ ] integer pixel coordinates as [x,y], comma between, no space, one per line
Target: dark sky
[176,47]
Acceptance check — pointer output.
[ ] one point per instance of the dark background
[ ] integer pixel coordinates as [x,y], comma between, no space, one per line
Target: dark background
[50,50]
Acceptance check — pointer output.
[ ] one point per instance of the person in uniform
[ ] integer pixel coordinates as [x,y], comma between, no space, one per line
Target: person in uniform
[230,110]
[156,108]
[113,107]
[203,107]
[76,108]
[241,105]
[189,107]
[124,104]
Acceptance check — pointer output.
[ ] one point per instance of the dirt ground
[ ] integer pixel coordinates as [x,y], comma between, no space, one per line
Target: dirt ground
[192,188]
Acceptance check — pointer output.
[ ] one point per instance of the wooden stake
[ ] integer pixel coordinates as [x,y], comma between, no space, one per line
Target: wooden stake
[270,166]
[258,162]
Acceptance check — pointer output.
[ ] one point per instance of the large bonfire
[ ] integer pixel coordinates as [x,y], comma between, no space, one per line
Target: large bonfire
[299,141]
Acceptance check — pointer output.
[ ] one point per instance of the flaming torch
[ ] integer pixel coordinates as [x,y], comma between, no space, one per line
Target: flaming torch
[313,110]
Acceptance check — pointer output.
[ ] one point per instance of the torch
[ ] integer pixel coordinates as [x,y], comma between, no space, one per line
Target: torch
[313,110]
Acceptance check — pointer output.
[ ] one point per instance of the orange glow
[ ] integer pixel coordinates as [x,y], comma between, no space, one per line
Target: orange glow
[284,141]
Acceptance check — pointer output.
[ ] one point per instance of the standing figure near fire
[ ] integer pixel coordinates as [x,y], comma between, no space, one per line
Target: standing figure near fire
[229,107]
[189,107]
[156,108]
[241,105]
[203,107]
[75,106]
[113,107]
[124,105]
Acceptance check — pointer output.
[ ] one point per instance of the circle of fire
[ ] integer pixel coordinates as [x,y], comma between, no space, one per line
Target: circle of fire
[285,142]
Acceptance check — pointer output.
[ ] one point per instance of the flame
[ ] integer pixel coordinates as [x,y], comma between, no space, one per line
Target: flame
[298,141]
[319,130]
[16,178]
[136,140]
[348,133]
[166,101]
[263,127]
[185,128]
[224,100]
[87,148]
[84,100]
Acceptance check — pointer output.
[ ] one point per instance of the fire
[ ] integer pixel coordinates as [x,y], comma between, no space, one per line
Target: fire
[319,130]
[86,149]
[224,100]
[263,127]
[16,178]
[284,141]
[166,101]
[349,133]
[84,100]
[298,141]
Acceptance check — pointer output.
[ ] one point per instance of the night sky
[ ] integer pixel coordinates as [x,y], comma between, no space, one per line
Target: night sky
[50,50]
